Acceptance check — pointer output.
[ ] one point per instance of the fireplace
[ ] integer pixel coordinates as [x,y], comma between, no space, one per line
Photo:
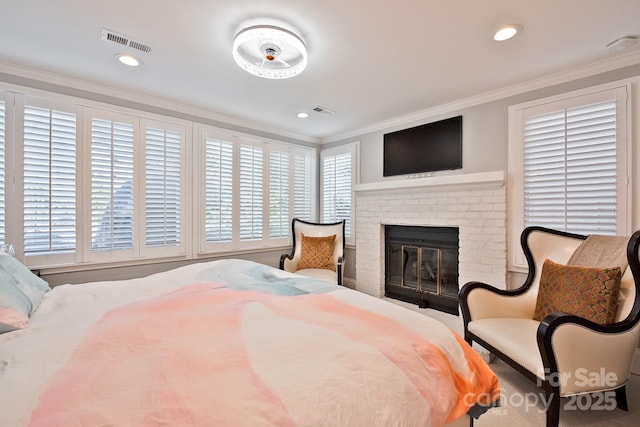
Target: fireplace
[421,266]
[474,203]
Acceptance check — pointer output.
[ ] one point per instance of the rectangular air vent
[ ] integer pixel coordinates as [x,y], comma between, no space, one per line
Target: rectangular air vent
[324,111]
[111,36]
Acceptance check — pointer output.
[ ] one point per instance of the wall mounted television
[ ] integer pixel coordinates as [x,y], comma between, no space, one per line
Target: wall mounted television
[426,148]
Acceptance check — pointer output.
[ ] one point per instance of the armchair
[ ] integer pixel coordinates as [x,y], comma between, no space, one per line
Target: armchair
[564,354]
[304,233]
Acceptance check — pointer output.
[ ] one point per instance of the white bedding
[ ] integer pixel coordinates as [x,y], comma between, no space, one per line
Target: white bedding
[34,360]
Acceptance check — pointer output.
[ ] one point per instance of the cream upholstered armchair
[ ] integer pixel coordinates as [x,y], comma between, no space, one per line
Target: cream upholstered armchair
[564,354]
[318,250]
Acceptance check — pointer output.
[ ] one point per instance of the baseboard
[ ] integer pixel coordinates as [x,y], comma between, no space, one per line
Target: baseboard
[635,367]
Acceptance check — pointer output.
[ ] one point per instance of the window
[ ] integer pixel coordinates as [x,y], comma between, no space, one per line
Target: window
[112,183]
[118,196]
[338,174]
[251,200]
[49,182]
[218,190]
[249,190]
[569,164]
[279,178]
[97,184]
[165,188]
[303,199]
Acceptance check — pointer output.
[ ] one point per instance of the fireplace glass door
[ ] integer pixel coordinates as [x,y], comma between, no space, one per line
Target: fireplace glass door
[421,272]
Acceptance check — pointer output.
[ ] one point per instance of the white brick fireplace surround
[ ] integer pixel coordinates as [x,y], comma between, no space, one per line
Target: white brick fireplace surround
[475,203]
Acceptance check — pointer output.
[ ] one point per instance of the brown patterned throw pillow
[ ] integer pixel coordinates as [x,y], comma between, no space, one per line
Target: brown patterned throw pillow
[317,252]
[591,293]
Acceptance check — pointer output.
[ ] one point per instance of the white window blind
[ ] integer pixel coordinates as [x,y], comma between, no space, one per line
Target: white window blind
[570,169]
[2,173]
[248,190]
[49,153]
[218,191]
[278,194]
[336,189]
[111,185]
[302,184]
[569,165]
[163,180]
[251,178]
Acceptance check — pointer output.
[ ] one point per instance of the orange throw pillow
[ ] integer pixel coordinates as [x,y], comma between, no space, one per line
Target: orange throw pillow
[591,293]
[317,252]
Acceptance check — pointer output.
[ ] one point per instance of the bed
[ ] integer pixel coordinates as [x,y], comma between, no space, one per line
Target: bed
[233,342]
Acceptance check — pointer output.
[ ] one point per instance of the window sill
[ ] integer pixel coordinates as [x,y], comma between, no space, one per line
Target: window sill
[44,270]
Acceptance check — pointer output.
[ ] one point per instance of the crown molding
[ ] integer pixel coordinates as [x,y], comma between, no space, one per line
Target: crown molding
[20,75]
[589,70]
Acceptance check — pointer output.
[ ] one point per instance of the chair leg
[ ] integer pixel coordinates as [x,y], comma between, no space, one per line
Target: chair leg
[621,398]
[467,339]
[553,408]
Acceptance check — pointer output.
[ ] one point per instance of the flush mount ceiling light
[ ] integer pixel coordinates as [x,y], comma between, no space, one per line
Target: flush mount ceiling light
[128,59]
[506,32]
[270,52]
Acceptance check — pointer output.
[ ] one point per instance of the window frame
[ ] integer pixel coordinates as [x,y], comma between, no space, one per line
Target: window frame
[17,222]
[618,91]
[183,248]
[8,99]
[353,149]
[204,248]
[92,256]
[87,110]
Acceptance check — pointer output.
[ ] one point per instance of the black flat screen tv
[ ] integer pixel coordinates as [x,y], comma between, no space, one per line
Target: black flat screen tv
[426,148]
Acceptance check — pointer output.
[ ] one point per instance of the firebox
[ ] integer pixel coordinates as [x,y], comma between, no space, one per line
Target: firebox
[421,266]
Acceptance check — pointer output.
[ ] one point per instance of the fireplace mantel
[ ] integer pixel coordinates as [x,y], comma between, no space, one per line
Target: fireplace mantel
[483,179]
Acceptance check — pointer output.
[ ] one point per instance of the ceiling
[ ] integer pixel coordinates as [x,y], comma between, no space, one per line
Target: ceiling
[370,61]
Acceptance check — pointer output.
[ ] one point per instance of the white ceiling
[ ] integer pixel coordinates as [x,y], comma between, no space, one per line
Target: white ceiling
[369,60]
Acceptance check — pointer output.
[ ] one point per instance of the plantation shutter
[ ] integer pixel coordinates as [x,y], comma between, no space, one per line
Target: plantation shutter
[302,199]
[2,174]
[49,159]
[111,185]
[218,221]
[336,189]
[251,192]
[278,194]
[570,180]
[162,187]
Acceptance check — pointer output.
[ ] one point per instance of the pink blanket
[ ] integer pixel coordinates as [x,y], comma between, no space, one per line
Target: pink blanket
[208,355]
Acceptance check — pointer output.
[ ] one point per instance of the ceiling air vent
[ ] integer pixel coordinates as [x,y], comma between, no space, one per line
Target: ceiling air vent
[108,35]
[323,111]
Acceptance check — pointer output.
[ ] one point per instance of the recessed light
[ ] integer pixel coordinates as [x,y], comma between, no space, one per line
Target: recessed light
[128,59]
[302,115]
[506,32]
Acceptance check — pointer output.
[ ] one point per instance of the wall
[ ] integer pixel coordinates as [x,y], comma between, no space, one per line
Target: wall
[485,128]
[271,258]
